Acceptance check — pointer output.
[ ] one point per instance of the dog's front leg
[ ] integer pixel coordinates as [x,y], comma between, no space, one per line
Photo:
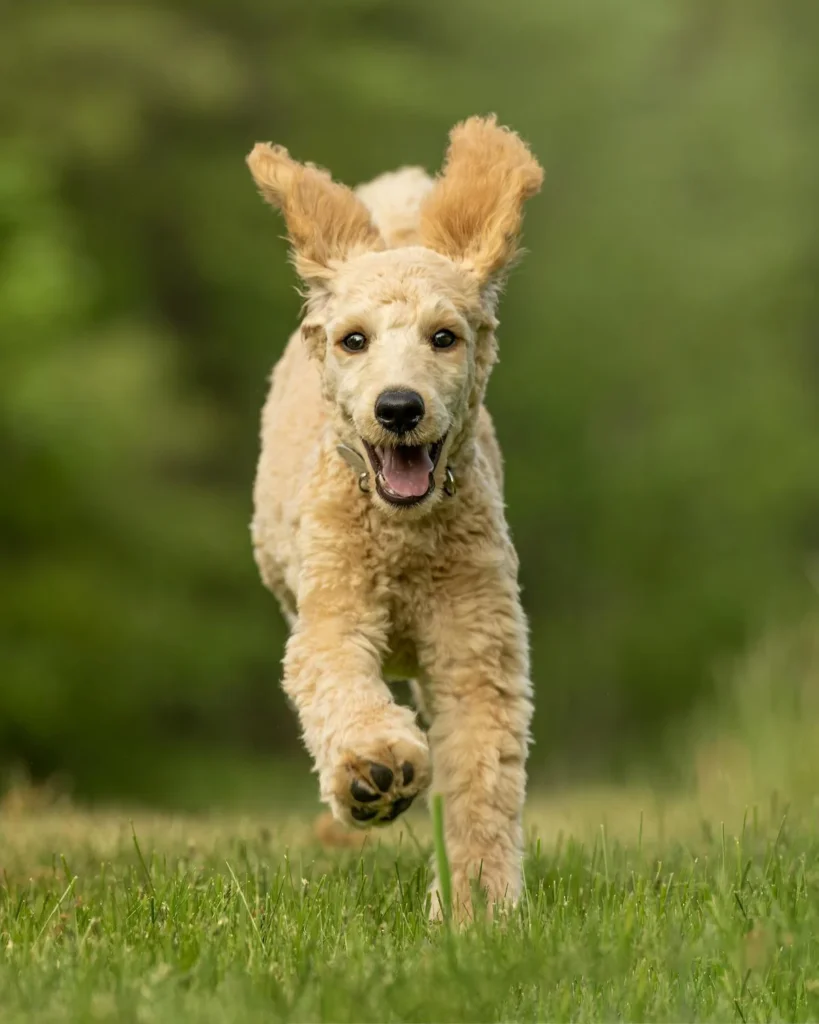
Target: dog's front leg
[371,758]
[477,660]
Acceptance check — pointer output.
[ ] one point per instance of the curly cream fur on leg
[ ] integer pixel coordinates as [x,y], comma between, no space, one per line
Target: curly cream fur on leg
[473,647]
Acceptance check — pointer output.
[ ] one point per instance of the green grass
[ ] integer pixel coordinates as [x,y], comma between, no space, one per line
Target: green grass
[238,920]
[698,904]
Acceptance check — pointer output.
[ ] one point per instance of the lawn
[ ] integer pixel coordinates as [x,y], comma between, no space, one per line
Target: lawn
[637,907]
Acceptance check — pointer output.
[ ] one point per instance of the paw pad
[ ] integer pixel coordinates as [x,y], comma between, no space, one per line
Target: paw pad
[362,792]
[388,814]
[378,794]
[400,805]
[382,776]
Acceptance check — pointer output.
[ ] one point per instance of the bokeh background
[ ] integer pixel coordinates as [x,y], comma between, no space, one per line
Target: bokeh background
[657,396]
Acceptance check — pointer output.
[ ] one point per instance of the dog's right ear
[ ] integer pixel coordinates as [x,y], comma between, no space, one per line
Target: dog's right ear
[326,222]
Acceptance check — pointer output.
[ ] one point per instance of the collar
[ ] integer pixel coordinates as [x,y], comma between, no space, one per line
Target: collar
[356,461]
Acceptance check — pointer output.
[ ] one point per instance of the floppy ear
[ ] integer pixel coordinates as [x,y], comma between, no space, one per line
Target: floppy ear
[326,222]
[474,213]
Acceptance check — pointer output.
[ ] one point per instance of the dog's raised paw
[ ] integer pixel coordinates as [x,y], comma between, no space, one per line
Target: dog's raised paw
[383,778]
[374,788]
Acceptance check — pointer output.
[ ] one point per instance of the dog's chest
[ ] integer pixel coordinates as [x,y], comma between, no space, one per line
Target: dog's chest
[406,567]
[407,595]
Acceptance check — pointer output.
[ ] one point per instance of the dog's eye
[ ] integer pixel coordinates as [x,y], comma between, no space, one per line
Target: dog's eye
[443,339]
[355,342]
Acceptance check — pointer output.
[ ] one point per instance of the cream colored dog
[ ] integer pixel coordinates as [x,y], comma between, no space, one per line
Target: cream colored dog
[379,520]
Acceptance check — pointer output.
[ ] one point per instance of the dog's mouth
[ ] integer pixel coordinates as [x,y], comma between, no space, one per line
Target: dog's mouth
[404,473]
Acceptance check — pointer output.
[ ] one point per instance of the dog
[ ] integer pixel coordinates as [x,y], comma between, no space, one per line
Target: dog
[378,503]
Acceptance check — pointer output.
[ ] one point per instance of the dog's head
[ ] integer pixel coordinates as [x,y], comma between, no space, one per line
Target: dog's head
[405,336]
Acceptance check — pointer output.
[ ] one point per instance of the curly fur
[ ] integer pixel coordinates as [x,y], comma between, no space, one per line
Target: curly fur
[325,221]
[371,591]
[474,213]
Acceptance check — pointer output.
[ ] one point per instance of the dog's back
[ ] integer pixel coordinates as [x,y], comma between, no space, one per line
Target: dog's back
[394,200]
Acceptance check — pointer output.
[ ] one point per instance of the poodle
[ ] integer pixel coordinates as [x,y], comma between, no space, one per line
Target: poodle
[379,517]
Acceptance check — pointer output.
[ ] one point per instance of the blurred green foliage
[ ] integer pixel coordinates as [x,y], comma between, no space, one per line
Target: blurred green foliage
[657,397]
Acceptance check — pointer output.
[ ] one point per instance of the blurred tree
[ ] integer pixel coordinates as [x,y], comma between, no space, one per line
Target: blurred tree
[656,398]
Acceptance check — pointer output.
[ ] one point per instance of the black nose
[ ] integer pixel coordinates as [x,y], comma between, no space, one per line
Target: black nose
[399,411]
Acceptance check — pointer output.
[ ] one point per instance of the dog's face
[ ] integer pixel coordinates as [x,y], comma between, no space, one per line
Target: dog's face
[397,340]
[404,336]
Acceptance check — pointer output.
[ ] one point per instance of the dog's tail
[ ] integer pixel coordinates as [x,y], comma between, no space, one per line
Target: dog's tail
[394,201]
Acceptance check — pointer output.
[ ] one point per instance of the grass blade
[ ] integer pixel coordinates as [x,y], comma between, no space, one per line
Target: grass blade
[54,909]
[243,898]
[441,858]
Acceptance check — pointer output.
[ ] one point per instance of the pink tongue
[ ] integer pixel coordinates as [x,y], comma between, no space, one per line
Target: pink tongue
[406,469]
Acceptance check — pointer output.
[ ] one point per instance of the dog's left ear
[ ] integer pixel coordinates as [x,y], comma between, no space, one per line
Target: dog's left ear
[326,222]
[473,214]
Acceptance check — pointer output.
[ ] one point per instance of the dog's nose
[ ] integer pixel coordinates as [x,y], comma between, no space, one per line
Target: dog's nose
[399,411]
